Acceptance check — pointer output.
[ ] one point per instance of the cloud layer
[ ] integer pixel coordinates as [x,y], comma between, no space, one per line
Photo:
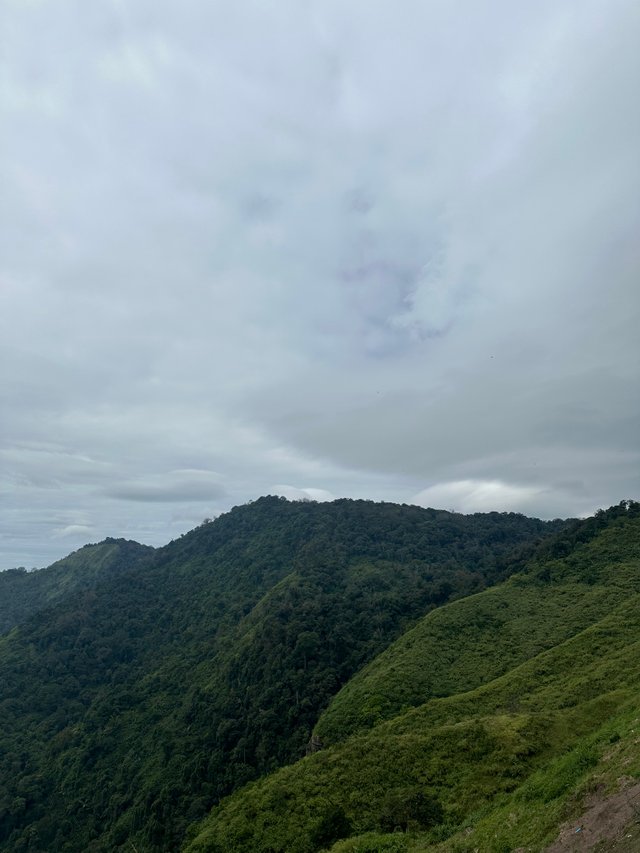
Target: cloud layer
[361,250]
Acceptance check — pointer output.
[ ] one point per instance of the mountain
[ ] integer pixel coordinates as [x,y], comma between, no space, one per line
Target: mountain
[484,727]
[23,593]
[142,694]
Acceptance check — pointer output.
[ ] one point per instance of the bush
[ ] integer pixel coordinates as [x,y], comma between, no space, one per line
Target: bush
[333,824]
[372,842]
[410,808]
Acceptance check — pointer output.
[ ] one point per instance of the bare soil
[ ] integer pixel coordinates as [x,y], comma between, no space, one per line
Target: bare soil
[609,823]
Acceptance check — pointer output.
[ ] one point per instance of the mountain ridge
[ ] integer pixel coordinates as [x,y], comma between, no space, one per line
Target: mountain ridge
[196,673]
[499,765]
[132,707]
[23,593]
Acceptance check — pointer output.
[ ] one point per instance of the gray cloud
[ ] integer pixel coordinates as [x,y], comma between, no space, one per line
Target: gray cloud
[176,487]
[360,252]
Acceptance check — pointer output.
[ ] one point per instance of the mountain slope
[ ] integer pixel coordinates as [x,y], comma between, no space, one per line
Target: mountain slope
[472,641]
[555,656]
[23,593]
[135,705]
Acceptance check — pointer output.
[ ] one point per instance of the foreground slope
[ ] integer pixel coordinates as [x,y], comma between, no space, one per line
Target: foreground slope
[134,706]
[477,726]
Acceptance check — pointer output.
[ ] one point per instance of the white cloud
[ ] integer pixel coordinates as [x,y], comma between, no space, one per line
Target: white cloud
[477,496]
[308,494]
[77,531]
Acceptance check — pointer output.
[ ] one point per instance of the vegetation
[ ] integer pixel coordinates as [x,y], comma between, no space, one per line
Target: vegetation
[144,693]
[509,703]
[23,593]
[470,642]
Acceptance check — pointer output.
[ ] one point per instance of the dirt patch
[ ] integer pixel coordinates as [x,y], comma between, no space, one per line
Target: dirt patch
[608,823]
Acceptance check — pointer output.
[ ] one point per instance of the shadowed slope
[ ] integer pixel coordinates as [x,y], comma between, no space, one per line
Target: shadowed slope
[22,593]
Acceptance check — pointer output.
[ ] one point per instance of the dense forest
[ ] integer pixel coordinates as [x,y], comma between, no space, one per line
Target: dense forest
[24,593]
[139,688]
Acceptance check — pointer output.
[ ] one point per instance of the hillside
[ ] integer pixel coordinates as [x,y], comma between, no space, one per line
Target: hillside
[22,593]
[470,642]
[483,728]
[130,706]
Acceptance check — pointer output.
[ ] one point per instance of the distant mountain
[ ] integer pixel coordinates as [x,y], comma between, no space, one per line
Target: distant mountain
[24,593]
[486,726]
[152,685]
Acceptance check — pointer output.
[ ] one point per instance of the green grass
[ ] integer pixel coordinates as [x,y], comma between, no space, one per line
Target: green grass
[473,640]
[529,818]
[466,766]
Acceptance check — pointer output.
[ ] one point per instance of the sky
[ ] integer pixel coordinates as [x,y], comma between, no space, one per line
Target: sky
[317,249]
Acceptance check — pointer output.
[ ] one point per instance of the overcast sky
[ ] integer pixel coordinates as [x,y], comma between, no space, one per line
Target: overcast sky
[314,247]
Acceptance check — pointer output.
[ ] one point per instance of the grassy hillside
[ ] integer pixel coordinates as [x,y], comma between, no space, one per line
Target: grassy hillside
[470,642]
[477,729]
[23,593]
[136,704]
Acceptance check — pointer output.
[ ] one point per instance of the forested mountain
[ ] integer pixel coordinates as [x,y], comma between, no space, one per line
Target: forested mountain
[23,593]
[144,692]
[483,728]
